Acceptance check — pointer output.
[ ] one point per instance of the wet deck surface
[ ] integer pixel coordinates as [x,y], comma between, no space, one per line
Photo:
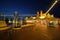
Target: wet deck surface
[35,32]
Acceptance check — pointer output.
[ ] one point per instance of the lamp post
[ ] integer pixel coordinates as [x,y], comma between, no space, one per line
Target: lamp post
[15,21]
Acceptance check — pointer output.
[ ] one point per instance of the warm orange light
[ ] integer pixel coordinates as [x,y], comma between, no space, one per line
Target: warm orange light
[42,17]
[34,17]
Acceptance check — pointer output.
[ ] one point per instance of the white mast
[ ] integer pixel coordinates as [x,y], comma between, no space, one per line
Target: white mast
[52,6]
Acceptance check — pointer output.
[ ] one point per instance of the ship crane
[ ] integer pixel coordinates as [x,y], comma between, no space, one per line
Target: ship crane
[52,6]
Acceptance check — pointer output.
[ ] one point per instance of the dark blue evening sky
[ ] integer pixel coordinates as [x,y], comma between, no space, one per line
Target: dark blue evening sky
[28,6]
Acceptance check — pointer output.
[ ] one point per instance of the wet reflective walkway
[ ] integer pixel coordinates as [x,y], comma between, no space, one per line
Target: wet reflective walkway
[35,32]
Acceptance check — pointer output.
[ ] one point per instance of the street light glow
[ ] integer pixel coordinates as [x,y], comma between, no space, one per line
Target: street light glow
[42,17]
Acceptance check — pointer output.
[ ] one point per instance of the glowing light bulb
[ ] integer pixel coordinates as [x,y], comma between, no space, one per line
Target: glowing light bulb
[42,17]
